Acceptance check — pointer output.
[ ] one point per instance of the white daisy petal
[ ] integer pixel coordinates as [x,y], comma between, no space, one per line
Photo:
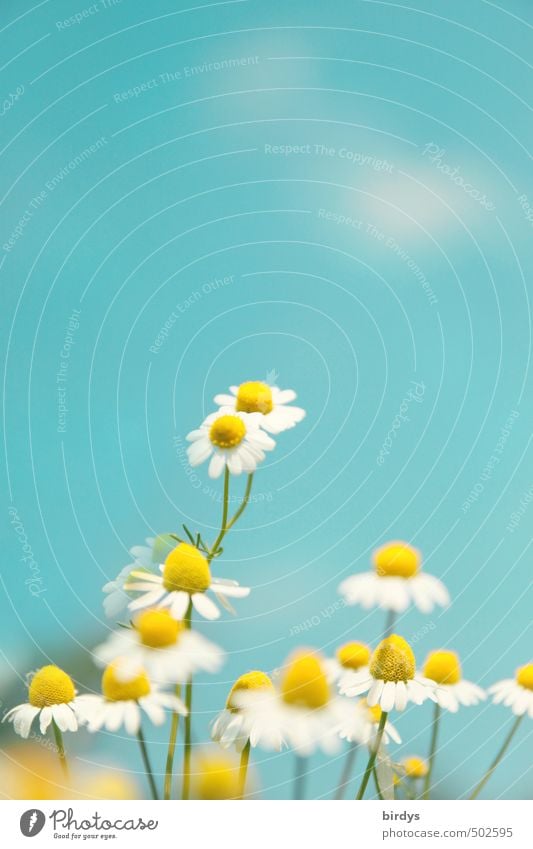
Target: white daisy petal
[205,606]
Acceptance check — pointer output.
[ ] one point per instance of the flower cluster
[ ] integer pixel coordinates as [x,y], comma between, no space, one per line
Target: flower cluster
[311,702]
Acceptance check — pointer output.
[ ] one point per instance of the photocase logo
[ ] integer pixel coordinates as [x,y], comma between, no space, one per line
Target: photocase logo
[32,822]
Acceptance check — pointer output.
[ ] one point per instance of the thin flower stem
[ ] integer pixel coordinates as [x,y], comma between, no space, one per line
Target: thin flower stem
[300,773]
[146,762]
[498,758]
[243,769]
[389,623]
[225,525]
[60,749]
[346,771]
[171,750]
[373,753]
[432,751]
[376,782]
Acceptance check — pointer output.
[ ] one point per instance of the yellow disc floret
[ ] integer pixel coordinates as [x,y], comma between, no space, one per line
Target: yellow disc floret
[227,431]
[304,682]
[393,660]
[186,570]
[524,676]
[116,690]
[254,397]
[415,767]
[157,629]
[373,713]
[255,680]
[353,655]
[216,777]
[443,667]
[51,686]
[396,560]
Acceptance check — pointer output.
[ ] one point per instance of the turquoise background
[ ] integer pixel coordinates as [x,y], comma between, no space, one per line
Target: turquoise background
[183,191]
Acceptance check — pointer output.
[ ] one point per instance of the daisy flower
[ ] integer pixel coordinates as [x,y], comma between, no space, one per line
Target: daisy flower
[234,726]
[215,776]
[170,653]
[395,582]
[350,656]
[360,724]
[123,699]
[272,403]
[232,439]
[517,692]
[414,767]
[301,709]
[391,679]
[185,578]
[116,599]
[52,696]
[444,668]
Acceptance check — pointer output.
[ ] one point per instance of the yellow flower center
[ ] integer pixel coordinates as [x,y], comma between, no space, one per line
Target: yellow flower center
[227,431]
[217,778]
[255,680]
[374,713]
[396,560]
[116,690]
[393,660]
[51,686]
[524,676]
[443,667]
[415,767]
[186,570]
[157,629]
[353,655]
[304,682]
[254,397]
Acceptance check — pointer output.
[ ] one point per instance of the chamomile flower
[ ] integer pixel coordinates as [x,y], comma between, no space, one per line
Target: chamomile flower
[231,439]
[52,696]
[395,582]
[234,726]
[517,692]
[444,668]
[272,403]
[185,578]
[116,598]
[301,709]
[360,724]
[123,699]
[170,653]
[414,767]
[391,679]
[351,656]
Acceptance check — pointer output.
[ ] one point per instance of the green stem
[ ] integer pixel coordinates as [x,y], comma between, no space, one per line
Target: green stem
[498,757]
[171,750]
[376,782]
[146,762]
[186,787]
[243,769]
[60,749]
[225,525]
[299,777]
[432,751]
[373,753]
[346,771]
[389,623]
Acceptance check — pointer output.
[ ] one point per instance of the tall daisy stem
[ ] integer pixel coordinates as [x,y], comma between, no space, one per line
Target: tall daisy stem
[243,769]
[186,786]
[498,758]
[389,623]
[225,524]
[60,749]
[347,771]
[432,751]
[147,766]
[299,777]
[373,754]
[171,750]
